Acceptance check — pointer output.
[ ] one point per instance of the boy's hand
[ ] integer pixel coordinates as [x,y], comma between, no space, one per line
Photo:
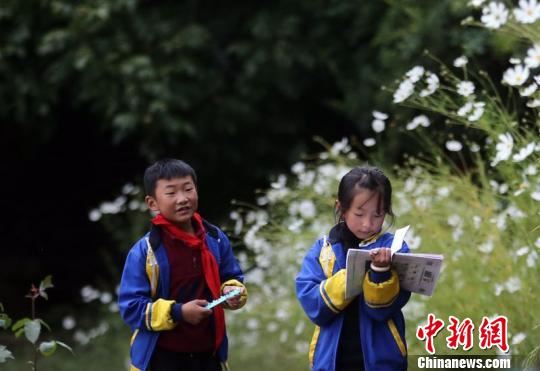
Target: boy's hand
[234,302]
[195,311]
[381,257]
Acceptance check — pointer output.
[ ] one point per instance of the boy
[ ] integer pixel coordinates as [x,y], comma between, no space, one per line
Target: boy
[172,273]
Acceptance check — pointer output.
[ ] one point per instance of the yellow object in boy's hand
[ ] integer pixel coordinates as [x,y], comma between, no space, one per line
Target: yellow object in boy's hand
[234,302]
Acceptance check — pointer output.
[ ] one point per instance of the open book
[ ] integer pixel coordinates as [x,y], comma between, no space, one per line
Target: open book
[417,272]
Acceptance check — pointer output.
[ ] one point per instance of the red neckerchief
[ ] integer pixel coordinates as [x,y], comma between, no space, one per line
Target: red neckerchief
[197,241]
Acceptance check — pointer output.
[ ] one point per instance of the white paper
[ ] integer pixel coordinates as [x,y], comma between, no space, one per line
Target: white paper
[399,236]
[417,272]
[356,268]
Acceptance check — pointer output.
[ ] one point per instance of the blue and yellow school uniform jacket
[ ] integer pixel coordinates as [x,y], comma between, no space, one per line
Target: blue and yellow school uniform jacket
[145,282]
[320,287]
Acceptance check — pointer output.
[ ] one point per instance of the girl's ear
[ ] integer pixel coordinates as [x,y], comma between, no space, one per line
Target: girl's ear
[151,203]
[337,208]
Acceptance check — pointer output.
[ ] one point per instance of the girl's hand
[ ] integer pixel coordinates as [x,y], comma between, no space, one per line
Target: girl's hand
[234,302]
[381,257]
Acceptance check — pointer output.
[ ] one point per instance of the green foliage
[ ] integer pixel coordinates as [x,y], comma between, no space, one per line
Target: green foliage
[150,71]
[31,327]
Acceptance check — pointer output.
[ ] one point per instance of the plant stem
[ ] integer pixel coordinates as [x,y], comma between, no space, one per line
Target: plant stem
[34,364]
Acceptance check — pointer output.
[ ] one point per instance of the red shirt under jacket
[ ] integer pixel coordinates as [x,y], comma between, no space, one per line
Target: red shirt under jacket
[187,283]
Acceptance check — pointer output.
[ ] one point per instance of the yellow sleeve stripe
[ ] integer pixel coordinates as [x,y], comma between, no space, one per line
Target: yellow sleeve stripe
[313,345]
[333,290]
[152,269]
[380,295]
[133,368]
[132,340]
[326,299]
[397,337]
[327,258]
[147,316]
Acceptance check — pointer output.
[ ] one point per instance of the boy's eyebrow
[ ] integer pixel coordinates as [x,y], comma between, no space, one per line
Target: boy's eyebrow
[187,182]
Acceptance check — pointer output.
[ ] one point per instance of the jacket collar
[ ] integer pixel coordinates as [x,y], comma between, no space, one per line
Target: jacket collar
[155,234]
[340,233]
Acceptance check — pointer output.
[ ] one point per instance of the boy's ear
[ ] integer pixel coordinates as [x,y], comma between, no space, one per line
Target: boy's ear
[151,203]
[337,206]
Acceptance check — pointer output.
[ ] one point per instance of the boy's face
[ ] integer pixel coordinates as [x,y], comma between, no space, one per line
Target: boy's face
[363,217]
[176,199]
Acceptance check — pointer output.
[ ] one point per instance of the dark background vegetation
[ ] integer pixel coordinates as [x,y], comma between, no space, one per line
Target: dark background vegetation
[91,92]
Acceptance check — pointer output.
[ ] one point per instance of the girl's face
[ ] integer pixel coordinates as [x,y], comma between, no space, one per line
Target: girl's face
[363,218]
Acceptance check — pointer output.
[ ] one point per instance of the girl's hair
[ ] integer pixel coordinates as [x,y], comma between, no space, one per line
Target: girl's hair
[166,169]
[367,177]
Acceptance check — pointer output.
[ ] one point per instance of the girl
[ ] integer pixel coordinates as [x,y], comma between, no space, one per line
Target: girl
[367,332]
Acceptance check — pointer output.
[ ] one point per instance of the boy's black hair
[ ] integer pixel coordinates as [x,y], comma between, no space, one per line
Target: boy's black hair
[368,177]
[166,169]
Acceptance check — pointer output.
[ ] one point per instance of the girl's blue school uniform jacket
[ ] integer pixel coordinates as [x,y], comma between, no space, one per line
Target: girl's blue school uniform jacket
[320,287]
[146,282]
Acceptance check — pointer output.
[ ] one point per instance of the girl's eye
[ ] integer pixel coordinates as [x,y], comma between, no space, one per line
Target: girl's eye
[189,189]
[169,193]
[359,215]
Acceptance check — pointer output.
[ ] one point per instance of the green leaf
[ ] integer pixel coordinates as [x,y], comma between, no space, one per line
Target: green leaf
[65,346]
[5,321]
[32,330]
[47,348]
[20,324]
[4,354]
[44,324]
[44,285]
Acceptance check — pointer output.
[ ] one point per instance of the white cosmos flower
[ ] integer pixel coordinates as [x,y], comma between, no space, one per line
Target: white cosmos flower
[528,90]
[404,91]
[369,142]
[478,111]
[454,146]
[421,120]
[415,73]
[518,338]
[378,125]
[516,76]
[513,284]
[530,170]
[307,209]
[514,61]
[522,251]
[528,11]
[298,168]
[340,147]
[486,247]
[463,111]
[465,88]
[461,61]
[532,60]
[380,115]
[524,152]
[474,147]
[504,148]
[494,15]
[533,103]
[476,3]
[432,85]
